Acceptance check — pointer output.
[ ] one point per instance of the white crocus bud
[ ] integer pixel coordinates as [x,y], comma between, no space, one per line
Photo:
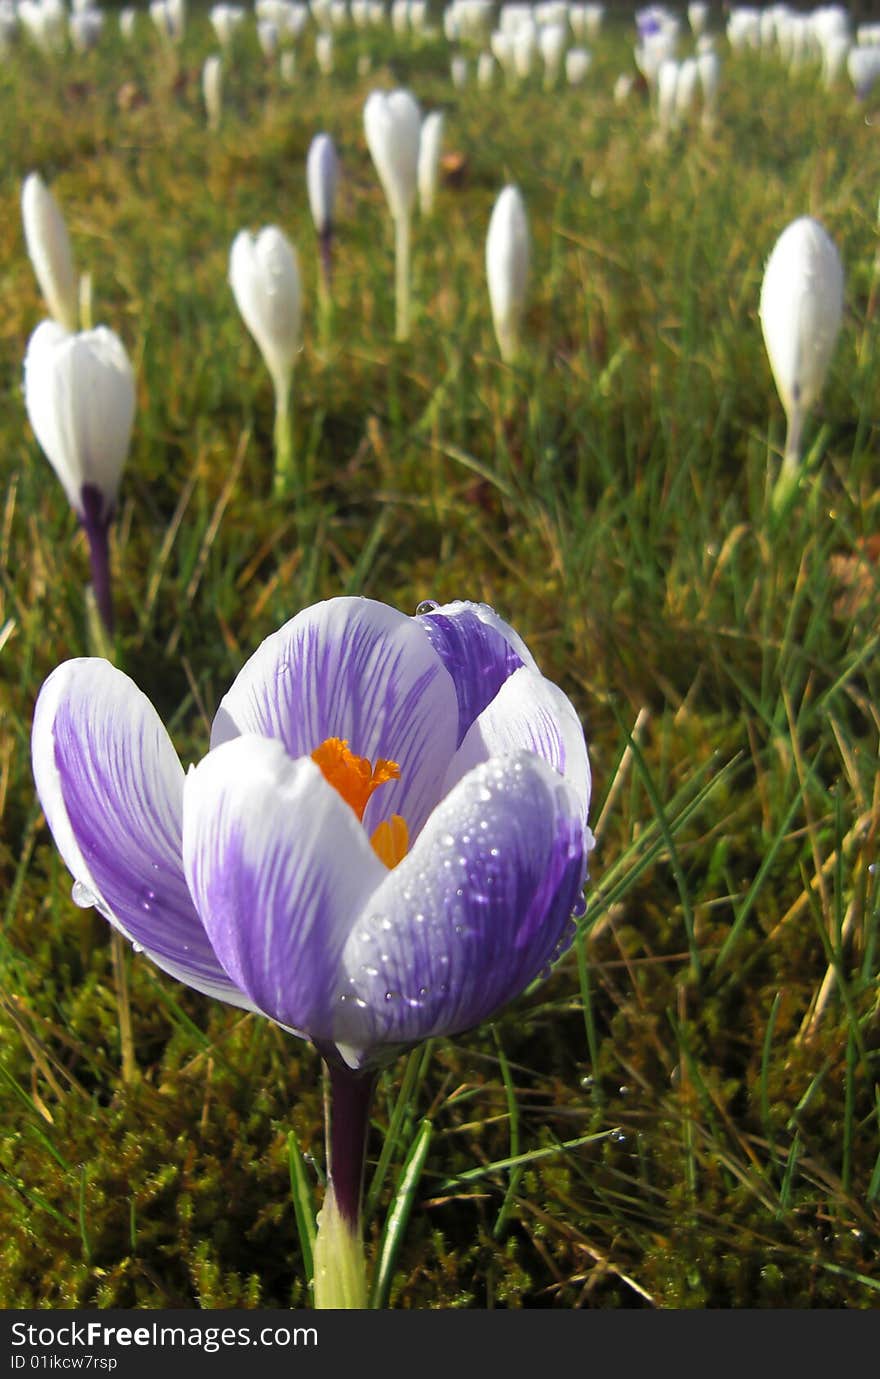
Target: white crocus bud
[863,66]
[709,72]
[697,14]
[267,37]
[212,89]
[226,19]
[667,86]
[835,51]
[85,28]
[264,276]
[577,64]
[48,246]
[552,39]
[324,53]
[79,391]
[623,87]
[176,18]
[288,66]
[322,179]
[458,71]
[507,268]
[686,87]
[525,45]
[801,311]
[127,23]
[429,160]
[593,16]
[393,126]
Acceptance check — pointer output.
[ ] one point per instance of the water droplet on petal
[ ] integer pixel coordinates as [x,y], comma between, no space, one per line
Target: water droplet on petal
[579,908]
[426,606]
[82,896]
[137,947]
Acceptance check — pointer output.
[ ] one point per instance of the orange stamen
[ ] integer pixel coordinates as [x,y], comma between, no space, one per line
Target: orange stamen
[352,776]
[391,840]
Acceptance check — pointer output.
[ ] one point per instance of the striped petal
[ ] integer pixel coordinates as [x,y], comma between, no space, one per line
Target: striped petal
[479,650]
[279,868]
[355,669]
[477,910]
[529,713]
[111,787]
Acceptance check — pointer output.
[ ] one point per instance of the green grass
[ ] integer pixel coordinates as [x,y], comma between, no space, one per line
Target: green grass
[686,1114]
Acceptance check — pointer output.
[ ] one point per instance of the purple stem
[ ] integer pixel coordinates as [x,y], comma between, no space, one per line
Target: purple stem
[351,1095]
[96,525]
[325,242]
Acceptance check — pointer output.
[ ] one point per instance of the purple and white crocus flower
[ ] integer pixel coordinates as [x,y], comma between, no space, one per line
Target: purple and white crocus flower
[386,841]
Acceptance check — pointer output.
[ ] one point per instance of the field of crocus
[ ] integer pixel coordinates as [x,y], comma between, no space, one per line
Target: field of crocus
[685,1110]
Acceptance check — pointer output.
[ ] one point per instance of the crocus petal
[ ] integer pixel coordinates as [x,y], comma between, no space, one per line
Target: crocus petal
[528,713]
[111,787]
[479,650]
[278,866]
[356,669]
[477,910]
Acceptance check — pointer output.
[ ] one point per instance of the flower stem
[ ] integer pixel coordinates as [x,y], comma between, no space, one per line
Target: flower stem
[325,283]
[791,461]
[86,311]
[401,266]
[340,1267]
[96,525]
[119,953]
[284,457]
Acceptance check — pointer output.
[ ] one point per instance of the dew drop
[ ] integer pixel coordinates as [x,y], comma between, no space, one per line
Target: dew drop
[390,995]
[137,947]
[579,909]
[587,1083]
[617,1136]
[426,606]
[82,896]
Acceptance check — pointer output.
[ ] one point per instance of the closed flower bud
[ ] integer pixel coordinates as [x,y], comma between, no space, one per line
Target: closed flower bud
[507,268]
[48,246]
[322,179]
[429,159]
[264,276]
[801,311]
[393,125]
[212,89]
[80,396]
